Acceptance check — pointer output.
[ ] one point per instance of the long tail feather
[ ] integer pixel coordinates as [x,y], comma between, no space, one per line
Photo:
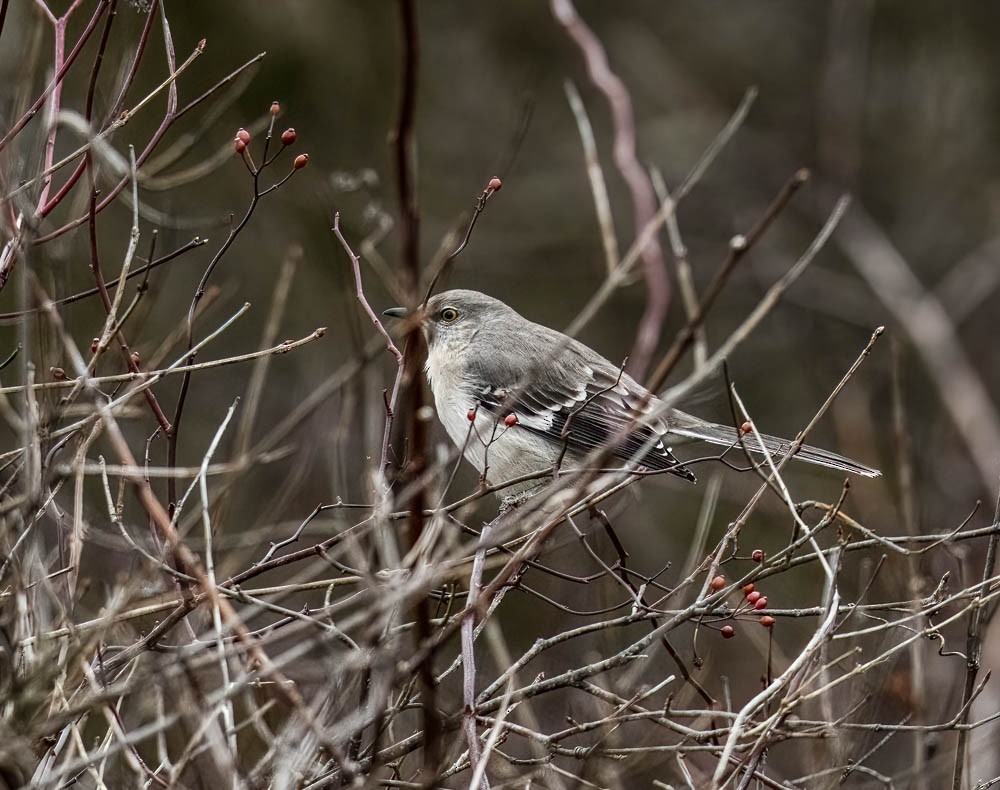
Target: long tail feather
[693,428]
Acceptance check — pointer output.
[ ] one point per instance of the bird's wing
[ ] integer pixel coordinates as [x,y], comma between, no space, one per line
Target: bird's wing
[601,410]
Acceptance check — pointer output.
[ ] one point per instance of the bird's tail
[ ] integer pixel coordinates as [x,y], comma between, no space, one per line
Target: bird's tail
[688,427]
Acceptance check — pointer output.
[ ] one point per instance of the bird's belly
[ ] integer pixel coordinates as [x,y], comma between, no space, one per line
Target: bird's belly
[502,451]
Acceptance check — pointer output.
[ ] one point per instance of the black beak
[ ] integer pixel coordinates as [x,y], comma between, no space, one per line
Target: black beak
[395,312]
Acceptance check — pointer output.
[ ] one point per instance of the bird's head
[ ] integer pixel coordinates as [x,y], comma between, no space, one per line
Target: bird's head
[452,318]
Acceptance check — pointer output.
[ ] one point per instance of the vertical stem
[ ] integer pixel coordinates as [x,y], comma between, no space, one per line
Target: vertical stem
[469,656]
[974,649]
[918,675]
[412,385]
[402,139]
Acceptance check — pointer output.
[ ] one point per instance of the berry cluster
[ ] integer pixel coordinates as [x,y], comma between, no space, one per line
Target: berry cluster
[753,599]
[287,137]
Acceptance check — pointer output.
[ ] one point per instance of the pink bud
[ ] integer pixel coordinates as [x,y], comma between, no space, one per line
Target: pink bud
[495,184]
[244,135]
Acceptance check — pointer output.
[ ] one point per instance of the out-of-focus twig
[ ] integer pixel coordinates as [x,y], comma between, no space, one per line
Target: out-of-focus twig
[738,248]
[595,174]
[685,277]
[766,304]
[933,334]
[620,275]
[644,203]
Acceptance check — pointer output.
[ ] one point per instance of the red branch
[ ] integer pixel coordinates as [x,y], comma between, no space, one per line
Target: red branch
[643,198]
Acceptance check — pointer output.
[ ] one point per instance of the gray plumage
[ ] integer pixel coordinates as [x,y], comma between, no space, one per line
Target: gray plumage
[485,361]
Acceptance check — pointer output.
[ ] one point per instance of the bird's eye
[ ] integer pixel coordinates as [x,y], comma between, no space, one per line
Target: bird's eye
[449,315]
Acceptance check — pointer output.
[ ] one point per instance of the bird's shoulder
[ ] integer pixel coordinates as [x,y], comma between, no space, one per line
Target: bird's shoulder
[556,374]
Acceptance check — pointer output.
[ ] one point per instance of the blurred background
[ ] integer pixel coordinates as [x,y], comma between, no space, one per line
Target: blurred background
[893,103]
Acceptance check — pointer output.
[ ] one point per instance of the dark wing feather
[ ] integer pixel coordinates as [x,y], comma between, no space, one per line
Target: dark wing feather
[603,410]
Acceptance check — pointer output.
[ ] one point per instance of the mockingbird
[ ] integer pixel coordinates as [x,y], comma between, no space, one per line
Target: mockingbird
[517,397]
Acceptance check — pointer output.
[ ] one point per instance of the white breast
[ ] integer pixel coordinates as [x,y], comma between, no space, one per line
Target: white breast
[504,452]
[452,398]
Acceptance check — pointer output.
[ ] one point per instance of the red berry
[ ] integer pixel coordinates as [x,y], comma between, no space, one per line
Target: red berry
[300,161]
[243,135]
[767,621]
[275,108]
[510,420]
[753,597]
[760,603]
[471,415]
[757,555]
[728,632]
[747,588]
[495,184]
[718,583]
[239,145]
[94,345]
[288,136]
[58,374]
[746,428]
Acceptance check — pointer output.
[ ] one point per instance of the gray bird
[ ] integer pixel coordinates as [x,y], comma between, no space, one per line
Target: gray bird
[486,362]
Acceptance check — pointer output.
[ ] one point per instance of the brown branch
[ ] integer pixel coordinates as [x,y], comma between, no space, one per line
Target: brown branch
[411,382]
